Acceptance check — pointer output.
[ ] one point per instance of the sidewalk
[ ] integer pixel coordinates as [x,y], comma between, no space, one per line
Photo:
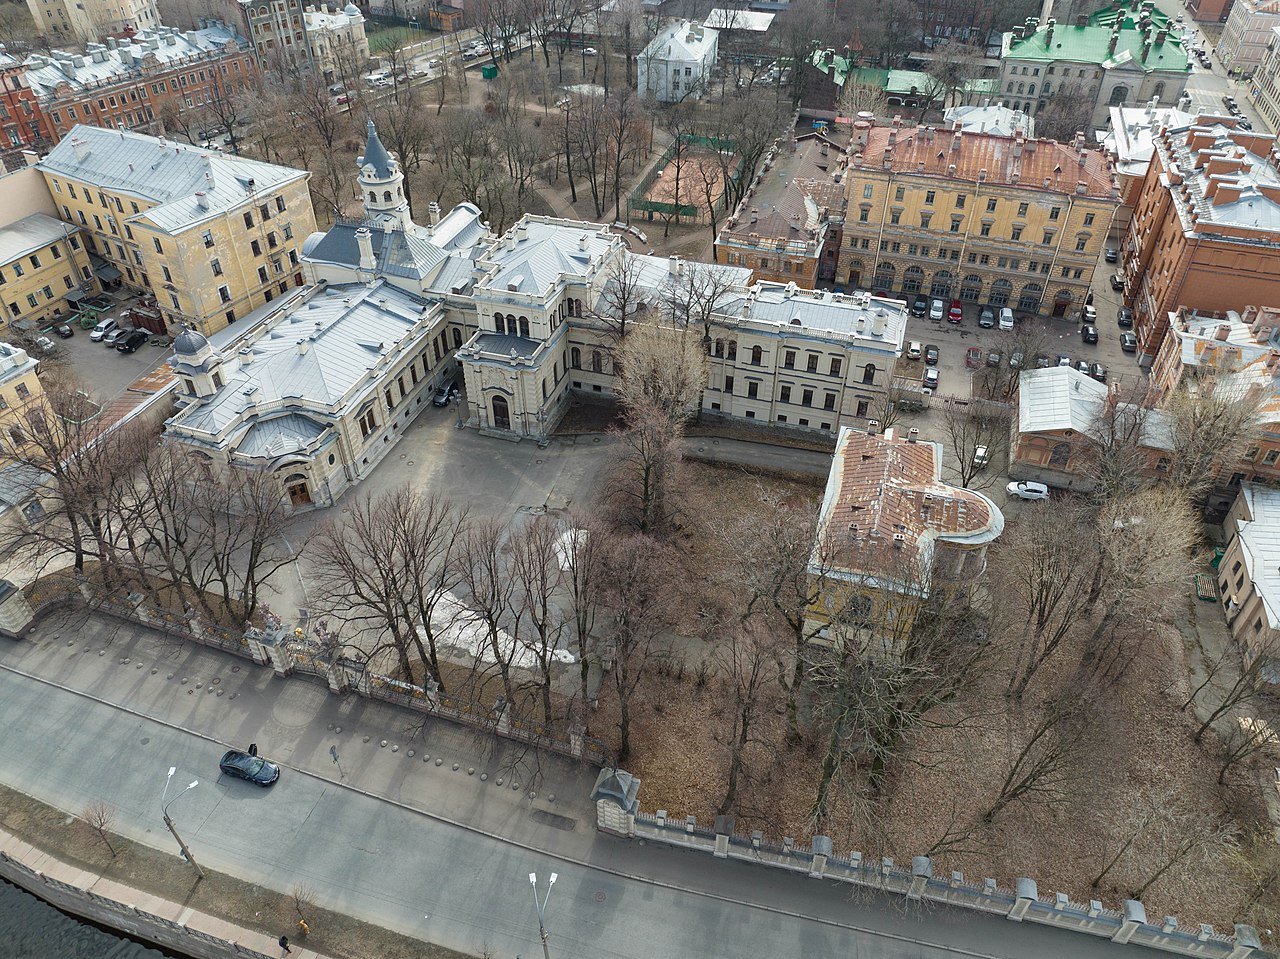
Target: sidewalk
[452,773]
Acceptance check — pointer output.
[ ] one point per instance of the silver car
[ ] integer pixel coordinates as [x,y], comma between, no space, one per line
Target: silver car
[1028,490]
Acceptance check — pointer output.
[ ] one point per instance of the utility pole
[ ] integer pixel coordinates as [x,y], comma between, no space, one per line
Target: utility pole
[164,811]
[186,853]
[541,906]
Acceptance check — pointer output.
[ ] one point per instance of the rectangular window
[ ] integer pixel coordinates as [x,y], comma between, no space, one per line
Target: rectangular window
[960,198]
[985,230]
[1022,209]
[168,277]
[925,219]
[256,247]
[784,394]
[248,218]
[262,274]
[863,214]
[216,264]
[207,236]
[753,390]
[1088,219]
[280,203]
[1055,212]
[867,191]
[174,298]
[812,365]
[898,195]
[155,241]
[1015,234]
[895,217]
[835,365]
[1080,244]
[829,401]
[991,205]
[806,398]
[728,384]
[789,359]
[224,294]
[57,254]
[929,196]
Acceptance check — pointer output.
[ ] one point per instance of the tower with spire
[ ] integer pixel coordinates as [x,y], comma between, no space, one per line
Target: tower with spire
[382,184]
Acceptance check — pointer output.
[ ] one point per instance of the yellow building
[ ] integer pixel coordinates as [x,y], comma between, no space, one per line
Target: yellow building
[212,237]
[986,219]
[43,268]
[22,408]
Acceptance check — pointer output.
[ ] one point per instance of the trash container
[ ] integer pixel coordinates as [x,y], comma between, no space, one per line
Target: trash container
[489,72]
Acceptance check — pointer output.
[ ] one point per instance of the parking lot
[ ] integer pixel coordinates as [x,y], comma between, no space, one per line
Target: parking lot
[106,372]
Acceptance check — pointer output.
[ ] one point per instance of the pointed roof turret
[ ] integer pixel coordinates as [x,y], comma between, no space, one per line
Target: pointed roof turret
[376,155]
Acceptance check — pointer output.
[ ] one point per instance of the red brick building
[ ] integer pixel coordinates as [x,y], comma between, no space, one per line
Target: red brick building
[24,124]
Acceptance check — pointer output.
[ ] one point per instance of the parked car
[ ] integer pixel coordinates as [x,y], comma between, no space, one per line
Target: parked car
[433,64]
[1042,361]
[115,336]
[1015,360]
[1098,372]
[914,350]
[1006,320]
[1089,333]
[987,318]
[102,329]
[445,394]
[994,357]
[1111,255]
[1117,282]
[589,51]
[919,306]
[1244,124]
[130,342]
[44,344]
[1027,490]
[344,98]
[981,457]
[956,313]
[931,355]
[1089,314]
[930,379]
[936,309]
[1124,317]
[1228,101]
[1063,360]
[65,330]
[254,769]
[1082,366]
[1128,342]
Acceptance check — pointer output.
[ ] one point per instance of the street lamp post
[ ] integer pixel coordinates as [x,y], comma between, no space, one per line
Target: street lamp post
[164,810]
[541,906]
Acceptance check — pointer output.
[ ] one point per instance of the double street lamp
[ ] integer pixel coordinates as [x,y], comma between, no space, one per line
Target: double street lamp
[541,905]
[164,811]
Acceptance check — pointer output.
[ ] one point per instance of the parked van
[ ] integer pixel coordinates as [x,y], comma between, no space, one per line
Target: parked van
[378,78]
[1006,320]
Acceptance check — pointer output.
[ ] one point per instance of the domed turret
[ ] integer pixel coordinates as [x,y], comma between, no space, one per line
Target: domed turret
[351,10]
[189,343]
[197,362]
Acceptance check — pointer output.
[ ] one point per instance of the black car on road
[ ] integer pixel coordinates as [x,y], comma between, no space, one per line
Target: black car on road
[1089,334]
[131,342]
[253,768]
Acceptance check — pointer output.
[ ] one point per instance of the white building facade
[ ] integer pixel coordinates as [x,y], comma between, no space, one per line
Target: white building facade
[677,63]
[1247,33]
[89,20]
[339,47]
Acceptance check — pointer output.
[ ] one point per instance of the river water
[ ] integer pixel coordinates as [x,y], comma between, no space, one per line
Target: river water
[32,929]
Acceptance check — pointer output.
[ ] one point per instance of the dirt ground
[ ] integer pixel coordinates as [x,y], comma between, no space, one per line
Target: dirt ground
[146,869]
[935,802]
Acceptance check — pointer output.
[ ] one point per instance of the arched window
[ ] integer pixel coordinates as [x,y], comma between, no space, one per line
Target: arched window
[757,355]
[733,349]
[577,308]
[1045,89]
[1061,453]
[499,322]
[524,326]
[511,326]
[869,373]
[597,362]
[719,347]
[1118,95]
[386,196]
[1031,90]
[575,358]
[373,197]
[544,387]
[1021,87]
[1158,90]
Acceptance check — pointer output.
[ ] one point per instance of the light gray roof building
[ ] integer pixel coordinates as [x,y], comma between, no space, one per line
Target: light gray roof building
[1058,398]
[873,322]
[187,184]
[29,234]
[1260,544]
[103,63]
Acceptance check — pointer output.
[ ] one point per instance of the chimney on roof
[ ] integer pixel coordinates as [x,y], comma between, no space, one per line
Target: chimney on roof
[893,137]
[673,265]
[364,240]
[1111,43]
[433,213]
[1082,20]
[1146,48]
[583,242]
[112,43]
[1048,34]
[81,149]
[1161,36]
[522,231]
[303,345]
[1223,331]
[202,199]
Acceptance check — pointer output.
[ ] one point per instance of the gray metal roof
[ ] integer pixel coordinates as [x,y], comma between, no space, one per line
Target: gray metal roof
[164,172]
[280,435]
[318,352]
[549,251]
[397,253]
[856,316]
[376,155]
[501,344]
[29,234]
[1260,542]
[1058,398]
[104,63]
[14,362]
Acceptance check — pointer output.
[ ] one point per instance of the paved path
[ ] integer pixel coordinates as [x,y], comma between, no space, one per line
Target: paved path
[408,868]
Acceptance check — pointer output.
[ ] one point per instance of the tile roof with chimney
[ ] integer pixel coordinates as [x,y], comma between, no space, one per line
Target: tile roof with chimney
[1068,168]
[886,510]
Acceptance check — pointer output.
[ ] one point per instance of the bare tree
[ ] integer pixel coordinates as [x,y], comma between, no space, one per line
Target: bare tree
[536,569]
[584,560]
[623,298]
[1116,447]
[1067,111]
[695,297]
[101,818]
[1210,427]
[387,569]
[744,657]
[493,608]
[977,433]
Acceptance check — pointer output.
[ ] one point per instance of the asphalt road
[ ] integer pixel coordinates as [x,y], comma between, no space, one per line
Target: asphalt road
[444,883]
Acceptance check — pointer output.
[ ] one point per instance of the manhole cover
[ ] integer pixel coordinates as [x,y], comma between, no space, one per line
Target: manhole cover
[600,897]
[145,740]
[539,462]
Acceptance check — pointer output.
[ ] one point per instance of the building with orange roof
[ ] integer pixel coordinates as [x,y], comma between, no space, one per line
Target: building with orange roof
[789,224]
[998,220]
[892,534]
[1205,232]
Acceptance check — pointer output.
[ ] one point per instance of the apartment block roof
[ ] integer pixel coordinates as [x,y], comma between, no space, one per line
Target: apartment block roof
[187,185]
[752,21]
[1224,180]
[1058,398]
[986,157]
[991,118]
[29,234]
[1127,47]
[14,362]
[680,40]
[104,63]
[1219,342]
[1260,544]
[1133,130]
[798,198]
[539,252]
[886,507]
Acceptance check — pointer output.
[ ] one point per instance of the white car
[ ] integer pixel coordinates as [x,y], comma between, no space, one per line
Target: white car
[1006,320]
[981,457]
[936,309]
[102,329]
[914,350]
[589,51]
[1028,490]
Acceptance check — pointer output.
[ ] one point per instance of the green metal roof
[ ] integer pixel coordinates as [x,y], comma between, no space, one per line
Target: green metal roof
[1090,45]
[902,82]
[1109,15]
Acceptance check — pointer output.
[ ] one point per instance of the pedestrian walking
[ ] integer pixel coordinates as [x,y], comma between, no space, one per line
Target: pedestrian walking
[284,944]
[253,749]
